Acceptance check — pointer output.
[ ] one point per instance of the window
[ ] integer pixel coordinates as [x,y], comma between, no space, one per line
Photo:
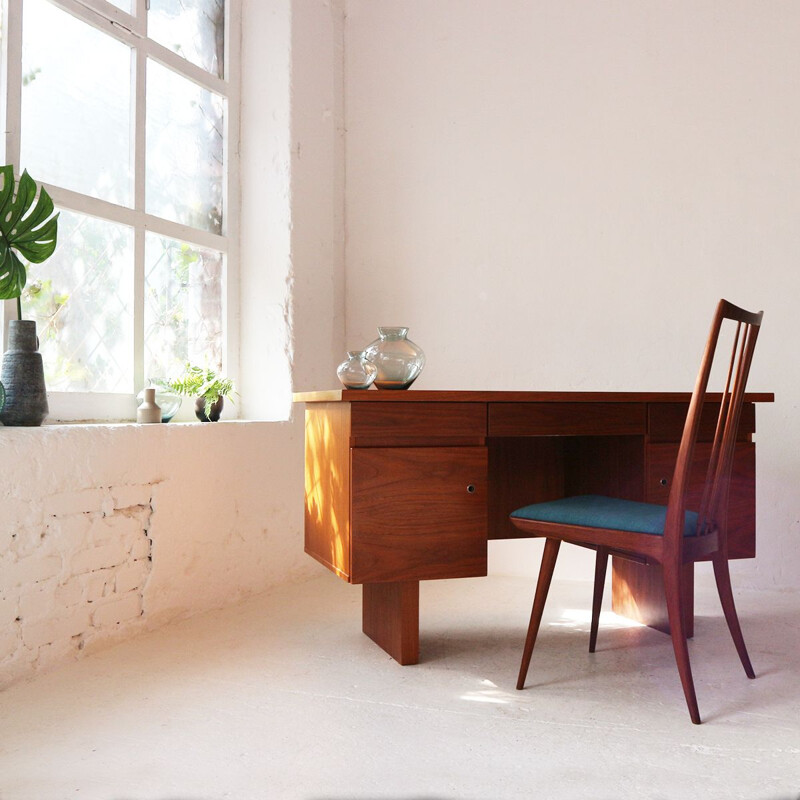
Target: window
[127,111]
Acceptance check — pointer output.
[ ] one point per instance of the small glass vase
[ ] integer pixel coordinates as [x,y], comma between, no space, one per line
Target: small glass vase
[356,372]
[398,359]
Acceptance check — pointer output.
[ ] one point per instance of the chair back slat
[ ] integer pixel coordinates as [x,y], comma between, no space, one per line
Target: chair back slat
[722,420]
[714,498]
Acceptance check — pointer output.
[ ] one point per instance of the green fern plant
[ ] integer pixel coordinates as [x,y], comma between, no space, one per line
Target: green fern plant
[201,382]
[28,228]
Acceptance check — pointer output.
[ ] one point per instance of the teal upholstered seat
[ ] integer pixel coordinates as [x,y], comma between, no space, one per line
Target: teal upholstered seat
[595,511]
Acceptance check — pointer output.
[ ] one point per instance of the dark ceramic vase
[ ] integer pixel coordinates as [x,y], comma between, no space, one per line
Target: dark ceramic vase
[215,412]
[23,377]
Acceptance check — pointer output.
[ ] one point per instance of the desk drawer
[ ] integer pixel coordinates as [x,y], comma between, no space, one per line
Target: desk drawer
[374,424]
[666,420]
[566,419]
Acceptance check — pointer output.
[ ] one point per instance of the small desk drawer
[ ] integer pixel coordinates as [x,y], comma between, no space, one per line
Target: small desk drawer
[390,423]
[666,420]
[566,419]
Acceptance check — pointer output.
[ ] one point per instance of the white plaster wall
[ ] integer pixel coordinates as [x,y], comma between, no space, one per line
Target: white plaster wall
[292,223]
[554,195]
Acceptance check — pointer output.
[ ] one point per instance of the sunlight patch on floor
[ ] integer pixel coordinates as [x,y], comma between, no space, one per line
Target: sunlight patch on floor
[489,694]
[581,618]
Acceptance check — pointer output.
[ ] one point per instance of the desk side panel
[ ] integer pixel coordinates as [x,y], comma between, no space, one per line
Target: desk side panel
[327,485]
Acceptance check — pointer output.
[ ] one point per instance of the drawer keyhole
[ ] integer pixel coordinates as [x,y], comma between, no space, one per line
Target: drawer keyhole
[663,481]
[471,488]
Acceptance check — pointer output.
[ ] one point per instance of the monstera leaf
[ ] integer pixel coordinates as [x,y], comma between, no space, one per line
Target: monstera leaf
[28,227]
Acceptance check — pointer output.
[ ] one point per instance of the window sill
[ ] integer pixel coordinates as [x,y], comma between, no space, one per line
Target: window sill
[95,424]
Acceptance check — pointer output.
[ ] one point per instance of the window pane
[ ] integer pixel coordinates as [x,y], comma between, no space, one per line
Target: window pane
[82,301]
[184,150]
[194,29]
[182,307]
[125,5]
[76,109]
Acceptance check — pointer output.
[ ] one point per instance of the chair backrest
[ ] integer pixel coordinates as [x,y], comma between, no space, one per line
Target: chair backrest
[713,506]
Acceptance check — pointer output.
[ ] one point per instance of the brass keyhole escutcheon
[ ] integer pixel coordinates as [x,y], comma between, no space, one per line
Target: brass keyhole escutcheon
[471,488]
[663,481]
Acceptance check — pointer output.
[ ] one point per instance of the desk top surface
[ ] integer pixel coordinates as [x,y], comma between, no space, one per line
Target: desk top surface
[428,396]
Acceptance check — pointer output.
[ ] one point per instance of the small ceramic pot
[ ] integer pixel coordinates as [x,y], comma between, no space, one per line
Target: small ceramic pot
[215,412]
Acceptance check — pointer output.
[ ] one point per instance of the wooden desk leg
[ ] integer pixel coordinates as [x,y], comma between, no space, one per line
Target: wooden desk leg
[390,617]
[637,592]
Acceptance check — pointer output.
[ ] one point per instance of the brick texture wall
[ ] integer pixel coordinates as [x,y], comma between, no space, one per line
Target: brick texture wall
[72,573]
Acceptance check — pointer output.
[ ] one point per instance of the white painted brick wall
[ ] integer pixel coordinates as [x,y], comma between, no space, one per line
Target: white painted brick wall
[130,576]
[72,572]
[60,505]
[93,558]
[117,610]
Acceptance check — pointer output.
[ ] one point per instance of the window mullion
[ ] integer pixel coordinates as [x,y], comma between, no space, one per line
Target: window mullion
[93,206]
[139,93]
[11,101]
[141,8]
[10,110]
[192,72]
[231,191]
[105,9]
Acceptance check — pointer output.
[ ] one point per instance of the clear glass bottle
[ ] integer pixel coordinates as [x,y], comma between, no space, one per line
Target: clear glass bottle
[356,372]
[398,359]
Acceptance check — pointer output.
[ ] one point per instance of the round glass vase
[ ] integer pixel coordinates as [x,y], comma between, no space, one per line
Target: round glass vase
[398,359]
[356,372]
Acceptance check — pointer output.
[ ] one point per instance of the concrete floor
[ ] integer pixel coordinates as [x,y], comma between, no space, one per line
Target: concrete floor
[283,697]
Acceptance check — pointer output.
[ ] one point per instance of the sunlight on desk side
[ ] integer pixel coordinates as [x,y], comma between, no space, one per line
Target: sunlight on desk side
[325,485]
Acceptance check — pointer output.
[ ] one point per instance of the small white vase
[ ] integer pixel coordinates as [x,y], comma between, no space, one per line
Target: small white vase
[148,411]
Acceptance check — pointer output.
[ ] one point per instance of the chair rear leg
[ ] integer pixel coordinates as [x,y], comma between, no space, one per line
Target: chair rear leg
[672,590]
[600,565]
[723,577]
[549,556]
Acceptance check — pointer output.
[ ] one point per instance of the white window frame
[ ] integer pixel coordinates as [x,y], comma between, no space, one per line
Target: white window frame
[132,31]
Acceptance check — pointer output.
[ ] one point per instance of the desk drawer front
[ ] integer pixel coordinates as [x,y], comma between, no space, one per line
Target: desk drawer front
[666,420]
[376,423]
[418,513]
[566,419]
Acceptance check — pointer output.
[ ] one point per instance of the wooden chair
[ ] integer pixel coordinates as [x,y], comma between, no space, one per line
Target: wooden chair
[667,535]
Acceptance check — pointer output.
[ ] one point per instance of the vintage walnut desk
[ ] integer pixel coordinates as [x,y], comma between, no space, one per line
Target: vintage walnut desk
[407,486]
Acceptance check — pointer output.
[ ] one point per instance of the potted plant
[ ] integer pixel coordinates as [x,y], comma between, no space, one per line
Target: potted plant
[208,389]
[28,229]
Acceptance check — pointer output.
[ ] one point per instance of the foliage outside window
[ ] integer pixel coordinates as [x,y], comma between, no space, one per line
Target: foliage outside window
[124,111]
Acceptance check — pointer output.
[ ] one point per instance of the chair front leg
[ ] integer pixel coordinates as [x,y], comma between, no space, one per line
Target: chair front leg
[549,556]
[600,565]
